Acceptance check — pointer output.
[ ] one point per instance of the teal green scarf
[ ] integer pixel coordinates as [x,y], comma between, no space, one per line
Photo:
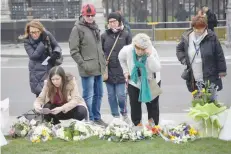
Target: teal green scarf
[145,94]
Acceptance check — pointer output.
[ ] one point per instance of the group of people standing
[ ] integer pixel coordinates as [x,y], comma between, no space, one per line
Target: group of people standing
[133,67]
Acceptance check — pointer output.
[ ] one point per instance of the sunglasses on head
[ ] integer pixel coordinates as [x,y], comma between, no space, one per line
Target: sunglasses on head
[90,16]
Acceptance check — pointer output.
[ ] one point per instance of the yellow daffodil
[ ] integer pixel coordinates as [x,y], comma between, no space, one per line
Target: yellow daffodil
[44,132]
[157,127]
[50,138]
[33,141]
[172,137]
[194,92]
[38,141]
[203,90]
[192,131]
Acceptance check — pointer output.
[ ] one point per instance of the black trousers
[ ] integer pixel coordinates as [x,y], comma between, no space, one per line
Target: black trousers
[136,110]
[78,113]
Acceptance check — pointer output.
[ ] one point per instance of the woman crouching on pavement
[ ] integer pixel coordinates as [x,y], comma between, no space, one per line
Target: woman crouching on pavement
[141,65]
[60,94]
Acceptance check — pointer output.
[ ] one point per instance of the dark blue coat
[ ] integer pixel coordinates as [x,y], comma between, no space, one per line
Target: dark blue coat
[36,51]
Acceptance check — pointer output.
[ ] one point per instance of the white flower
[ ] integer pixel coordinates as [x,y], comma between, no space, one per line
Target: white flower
[118,134]
[32,122]
[23,132]
[125,136]
[139,133]
[147,133]
[60,133]
[107,132]
[76,138]
[23,120]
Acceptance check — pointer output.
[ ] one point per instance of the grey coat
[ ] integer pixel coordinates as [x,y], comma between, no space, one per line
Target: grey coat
[37,53]
[86,49]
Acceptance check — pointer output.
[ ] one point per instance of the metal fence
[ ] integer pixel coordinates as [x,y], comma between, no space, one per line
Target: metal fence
[163,10]
[45,9]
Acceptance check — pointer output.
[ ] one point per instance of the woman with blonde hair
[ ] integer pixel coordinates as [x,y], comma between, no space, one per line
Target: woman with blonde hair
[39,44]
[60,99]
[141,65]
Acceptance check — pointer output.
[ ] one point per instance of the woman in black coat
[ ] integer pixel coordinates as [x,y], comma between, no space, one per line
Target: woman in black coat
[39,44]
[116,81]
[201,52]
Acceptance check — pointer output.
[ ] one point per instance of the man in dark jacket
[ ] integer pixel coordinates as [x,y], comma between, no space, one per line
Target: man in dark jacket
[116,81]
[86,49]
[211,18]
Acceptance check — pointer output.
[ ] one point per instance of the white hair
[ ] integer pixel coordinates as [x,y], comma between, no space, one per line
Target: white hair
[142,40]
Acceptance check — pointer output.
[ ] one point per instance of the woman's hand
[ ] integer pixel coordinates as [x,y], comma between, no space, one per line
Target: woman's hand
[38,109]
[222,75]
[56,110]
[148,51]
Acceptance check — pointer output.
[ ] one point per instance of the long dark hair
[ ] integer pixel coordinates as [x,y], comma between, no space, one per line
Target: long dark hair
[65,79]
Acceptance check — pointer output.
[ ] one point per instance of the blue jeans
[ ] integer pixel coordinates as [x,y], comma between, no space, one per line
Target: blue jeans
[92,94]
[117,96]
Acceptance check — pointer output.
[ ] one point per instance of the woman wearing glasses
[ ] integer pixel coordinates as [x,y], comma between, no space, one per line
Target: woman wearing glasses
[37,41]
[201,52]
[141,65]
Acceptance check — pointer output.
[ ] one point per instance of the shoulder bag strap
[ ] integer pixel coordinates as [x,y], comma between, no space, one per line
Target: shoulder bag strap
[113,47]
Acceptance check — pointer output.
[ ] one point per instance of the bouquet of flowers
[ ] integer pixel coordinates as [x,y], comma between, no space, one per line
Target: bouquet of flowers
[206,109]
[77,130]
[119,131]
[20,128]
[155,130]
[40,133]
[180,134]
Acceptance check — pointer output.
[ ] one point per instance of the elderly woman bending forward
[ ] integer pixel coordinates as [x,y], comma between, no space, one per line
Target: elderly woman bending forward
[141,65]
[59,99]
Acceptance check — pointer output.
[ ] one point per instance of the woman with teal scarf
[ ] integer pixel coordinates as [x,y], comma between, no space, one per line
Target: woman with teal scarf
[140,63]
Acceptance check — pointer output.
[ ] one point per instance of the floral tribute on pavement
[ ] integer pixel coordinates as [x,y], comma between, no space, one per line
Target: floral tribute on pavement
[117,131]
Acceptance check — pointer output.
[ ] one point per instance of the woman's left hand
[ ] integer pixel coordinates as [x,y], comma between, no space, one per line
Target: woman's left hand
[56,110]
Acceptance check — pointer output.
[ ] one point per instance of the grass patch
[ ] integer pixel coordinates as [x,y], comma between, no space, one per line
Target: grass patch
[96,146]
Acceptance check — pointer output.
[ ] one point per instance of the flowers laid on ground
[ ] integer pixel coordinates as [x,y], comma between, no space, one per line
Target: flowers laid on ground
[77,130]
[180,134]
[20,128]
[206,109]
[119,131]
[40,133]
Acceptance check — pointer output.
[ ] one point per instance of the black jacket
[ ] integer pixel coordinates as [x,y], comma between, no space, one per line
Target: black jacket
[37,53]
[115,72]
[213,60]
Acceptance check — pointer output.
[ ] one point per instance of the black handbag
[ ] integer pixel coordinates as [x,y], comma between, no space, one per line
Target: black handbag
[59,60]
[187,72]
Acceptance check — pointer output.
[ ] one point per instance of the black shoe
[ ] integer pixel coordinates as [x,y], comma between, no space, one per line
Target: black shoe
[100,122]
